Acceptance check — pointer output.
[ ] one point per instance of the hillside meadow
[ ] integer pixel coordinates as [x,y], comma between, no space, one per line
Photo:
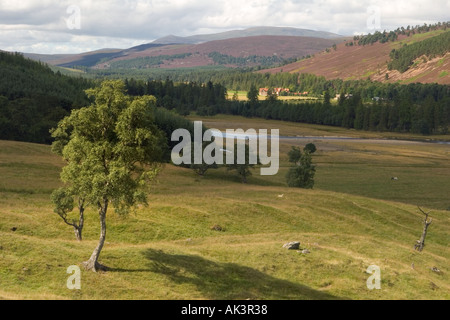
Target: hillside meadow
[370,61]
[355,217]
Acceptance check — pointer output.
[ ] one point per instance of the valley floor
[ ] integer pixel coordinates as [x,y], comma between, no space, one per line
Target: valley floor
[355,217]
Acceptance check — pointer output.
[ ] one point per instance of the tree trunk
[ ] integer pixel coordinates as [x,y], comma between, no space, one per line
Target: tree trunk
[92,263]
[78,232]
[79,228]
[421,243]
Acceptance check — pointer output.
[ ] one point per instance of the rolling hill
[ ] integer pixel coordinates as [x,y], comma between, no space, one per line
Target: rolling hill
[274,48]
[250,32]
[354,62]
[168,250]
[277,44]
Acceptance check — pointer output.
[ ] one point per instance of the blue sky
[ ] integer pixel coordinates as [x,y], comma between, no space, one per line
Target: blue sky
[71,26]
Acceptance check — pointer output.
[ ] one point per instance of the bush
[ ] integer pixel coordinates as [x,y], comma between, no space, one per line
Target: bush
[302,174]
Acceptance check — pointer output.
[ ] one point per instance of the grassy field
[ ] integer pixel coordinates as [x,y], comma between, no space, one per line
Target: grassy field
[355,217]
[242,96]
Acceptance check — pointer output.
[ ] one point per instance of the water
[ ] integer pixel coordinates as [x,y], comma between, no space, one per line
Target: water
[240,136]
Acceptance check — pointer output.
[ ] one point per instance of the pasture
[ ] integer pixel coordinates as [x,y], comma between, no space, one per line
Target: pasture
[356,216]
[242,96]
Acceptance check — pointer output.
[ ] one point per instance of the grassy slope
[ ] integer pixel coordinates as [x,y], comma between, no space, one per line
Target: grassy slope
[168,250]
[361,62]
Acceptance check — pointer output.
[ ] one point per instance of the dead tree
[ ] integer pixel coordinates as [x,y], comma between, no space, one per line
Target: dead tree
[421,243]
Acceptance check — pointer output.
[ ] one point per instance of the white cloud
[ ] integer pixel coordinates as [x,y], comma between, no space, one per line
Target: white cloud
[41,26]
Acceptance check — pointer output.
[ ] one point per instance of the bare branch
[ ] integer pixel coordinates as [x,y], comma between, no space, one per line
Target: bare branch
[64,217]
[425,213]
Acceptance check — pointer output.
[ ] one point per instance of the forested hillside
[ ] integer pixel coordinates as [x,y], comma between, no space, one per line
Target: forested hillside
[33,98]
[403,58]
[361,105]
[406,55]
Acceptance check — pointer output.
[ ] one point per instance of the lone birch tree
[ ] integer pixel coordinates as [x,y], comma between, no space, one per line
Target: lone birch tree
[112,149]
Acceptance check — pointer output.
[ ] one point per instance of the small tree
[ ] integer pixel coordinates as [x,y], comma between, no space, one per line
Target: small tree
[302,174]
[271,95]
[63,199]
[201,169]
[252,95]
[242,169]
[326,98]
[295,155]
[310,147]
[112,149]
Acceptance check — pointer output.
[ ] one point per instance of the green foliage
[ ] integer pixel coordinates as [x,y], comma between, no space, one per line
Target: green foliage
[301,175]
[146,62]
[254,219]
[383,37]
[168,121]
[33,98]
[111,148]
[242,169]
[252,95]
[263,61]
[63,200]
[181,97]
[403,58]
[271,95]
[201,169]
[294,155]
[398,107]
[310,147]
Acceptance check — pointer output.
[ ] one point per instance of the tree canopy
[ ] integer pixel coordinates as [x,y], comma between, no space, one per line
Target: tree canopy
[112,150]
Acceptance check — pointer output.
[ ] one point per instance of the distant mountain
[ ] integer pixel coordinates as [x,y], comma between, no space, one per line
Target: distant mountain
[250,51]
[87,59]
[259,46]
[250,32]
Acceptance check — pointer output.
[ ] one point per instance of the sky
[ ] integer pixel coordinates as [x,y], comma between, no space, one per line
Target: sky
[71,26]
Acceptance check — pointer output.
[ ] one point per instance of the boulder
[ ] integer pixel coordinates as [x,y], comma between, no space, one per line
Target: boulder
[217,227]
[292,245]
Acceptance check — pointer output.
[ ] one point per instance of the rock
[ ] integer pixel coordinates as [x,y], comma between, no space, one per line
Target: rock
[292,245]
[13,229]
[434,269]
[217,228]
[306,251]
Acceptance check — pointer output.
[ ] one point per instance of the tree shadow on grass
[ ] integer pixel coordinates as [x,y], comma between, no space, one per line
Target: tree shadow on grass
[228,281]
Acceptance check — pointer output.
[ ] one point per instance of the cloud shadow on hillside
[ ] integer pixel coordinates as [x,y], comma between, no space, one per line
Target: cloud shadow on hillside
[228,281]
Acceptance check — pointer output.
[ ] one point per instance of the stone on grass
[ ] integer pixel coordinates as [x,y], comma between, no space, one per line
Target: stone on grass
[295,245]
